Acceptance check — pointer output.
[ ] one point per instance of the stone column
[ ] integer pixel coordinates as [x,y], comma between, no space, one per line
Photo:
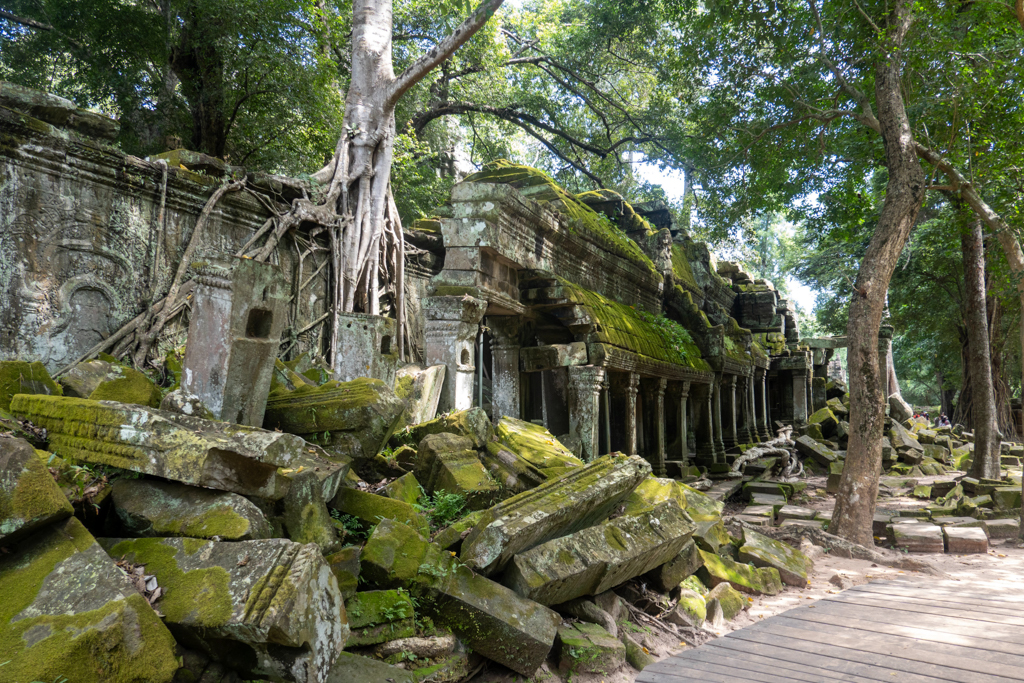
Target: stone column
[799,396]
[606,387]
[450,329]
[761,404]
[751,408]
[684,451]
[729,437]
[585,382]
[658,453]
[704,443]
[505,378]
[716,415]
[631,390]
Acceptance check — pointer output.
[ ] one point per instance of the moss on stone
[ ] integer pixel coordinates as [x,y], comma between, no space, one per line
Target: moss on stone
[652,491]
[35,496]
[742,577]
[535,444]
[201,597]
[20,377]
[379,616]
[130,387]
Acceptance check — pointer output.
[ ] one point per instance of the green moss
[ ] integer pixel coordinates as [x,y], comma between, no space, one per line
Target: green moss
[404,386]
[539,187]
[36,494]
[201,597]
[19,377]
[76,644]
[217,521]
[131,387]
[681,266]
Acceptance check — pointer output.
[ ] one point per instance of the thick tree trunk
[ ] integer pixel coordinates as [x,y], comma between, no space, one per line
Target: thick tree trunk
[985,464]
[858,488]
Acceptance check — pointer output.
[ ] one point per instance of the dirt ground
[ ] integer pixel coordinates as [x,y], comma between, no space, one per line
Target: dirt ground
[1002,566]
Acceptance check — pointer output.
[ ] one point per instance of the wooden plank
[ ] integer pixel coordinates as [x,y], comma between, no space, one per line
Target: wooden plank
[728,672]
[684,674]
[904,604]
[958,594]
[784,659]
[934,599]
[728,658]
[905,630]
[888,615]
[955,656]
[833,658]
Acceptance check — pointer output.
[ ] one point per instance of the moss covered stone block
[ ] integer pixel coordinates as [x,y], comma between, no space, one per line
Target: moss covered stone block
[742,577]
[700,506]
[601,557]
[156,508]
[29,497]
[731,600]
[371,509]
[835,475]
[472,423]
[512,472]
[67,612]
[349,668]
[345,565]
[669,575]
[271,607]
[20,377]
[711,535]
[826,421]
[651,492]
[761,551]
[450,538]
[588,648]
[420,388]
[405,488]
[367,409]
[127,385]
[1006,497]
[557,507]
[396,554]
[810,448]
[534,444]
[306,517]
[379,616]
[190,450]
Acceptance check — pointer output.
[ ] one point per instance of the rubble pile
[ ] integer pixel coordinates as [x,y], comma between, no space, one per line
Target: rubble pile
[338,542]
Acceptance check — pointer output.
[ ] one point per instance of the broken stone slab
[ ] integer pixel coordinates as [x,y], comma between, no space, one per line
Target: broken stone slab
[156,508]
[763,511]
[345,566]
[364,409]
[1002,528]
[1006,497]
[743,577]
[669,575]
[306,517]
[65,609]
[472,423]
[711,535]
[926,437]
[731,600]
[184,403]
[29,497]
[651,492]
[587,610]
[816,451]
[793,566]
[20,377]
[809,523]
[490,618]
[378,616]
[534,444]
[429,647]
[917,538]
[349,668]
[559,506]
[700,506]
[588,648]
[405,488]
[190,450]
[795,512]
[371,509]
[599,558]
[766,487]
[962,540]
[835,476]
[510,471]
[901,438]
[826,420]
[448,462]
[690,610]
[450,538]
[420,388]
[899,409]
[775,502]
[268,608]
[102,380]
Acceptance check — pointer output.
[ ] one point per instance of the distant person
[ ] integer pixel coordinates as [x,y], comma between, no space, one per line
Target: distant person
[944,421]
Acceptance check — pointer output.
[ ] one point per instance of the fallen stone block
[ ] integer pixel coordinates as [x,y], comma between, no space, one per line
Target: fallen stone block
[587,610]
[190,450]
[102,380]
[958,521]
[268,608]
[420,388]
[429,647]
[765,511]
[1006,497]
[670,575]
[306,517]
[795,512]
[370,509]
[345,566]
[690,610]
[835,476]
[513,473]
[455,667]
[901,438]
[917,538]
[534,444]
[810,448]
[364,409]
[588,648]
[793,566]
[711,535]
[65,609]
[650,493]
[151,507]
[899,410]
[490,618]
[450,538]
[731,600]
[29,497]
[444,466]
[20,377]
[742,577]
[809,523]
[962,540]
[599,558]
[378,616]
[349,668]
[557,507]
[472,423]
[405,488]
[700,506]
[826,420]
[1002,528]
[770,488]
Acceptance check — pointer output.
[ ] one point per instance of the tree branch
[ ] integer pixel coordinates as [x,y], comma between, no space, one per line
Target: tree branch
[422,66]
[25,21]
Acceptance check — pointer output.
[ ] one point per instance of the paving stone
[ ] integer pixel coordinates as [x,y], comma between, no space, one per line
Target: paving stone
[29,497]
[742,577]
[378,616]
[794,512]
[190,450]
[761,551]
[669,575]
[965,540]
[776,502]
[768,487]
[753,520]
[880,524]
[917,538]
[810,523]
[957,521]
[1002,528]
[588,648]
[63,601]
[760,511]
[156,508]
[601,557]
[559,506]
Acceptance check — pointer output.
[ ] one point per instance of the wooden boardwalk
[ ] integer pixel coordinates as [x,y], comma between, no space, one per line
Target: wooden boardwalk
[900,631]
